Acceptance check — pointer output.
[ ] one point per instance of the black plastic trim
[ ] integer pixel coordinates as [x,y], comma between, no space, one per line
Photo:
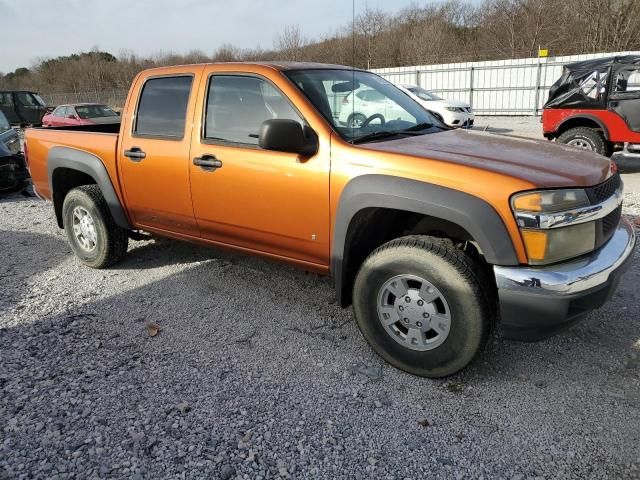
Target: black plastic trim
[471,213]
[65,157]
[529,317]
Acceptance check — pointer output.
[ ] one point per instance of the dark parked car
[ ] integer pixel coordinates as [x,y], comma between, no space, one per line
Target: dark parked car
[22,107]
[13,171]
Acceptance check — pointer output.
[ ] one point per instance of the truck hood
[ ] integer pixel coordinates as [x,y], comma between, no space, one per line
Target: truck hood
[540,162]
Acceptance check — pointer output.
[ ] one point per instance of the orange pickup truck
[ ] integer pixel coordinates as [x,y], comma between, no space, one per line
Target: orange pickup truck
[431,234]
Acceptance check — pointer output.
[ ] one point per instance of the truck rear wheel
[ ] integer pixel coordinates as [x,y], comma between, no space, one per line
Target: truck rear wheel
[419,302]
[94,236]
[585,138]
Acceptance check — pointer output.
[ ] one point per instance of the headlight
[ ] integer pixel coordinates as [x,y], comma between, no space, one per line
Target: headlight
[549,201]
[453,109]
[551,224]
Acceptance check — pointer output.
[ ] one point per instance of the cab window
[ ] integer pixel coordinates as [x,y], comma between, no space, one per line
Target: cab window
[628,81]
[237,105]
[4,123]
[162,108]
[6,99]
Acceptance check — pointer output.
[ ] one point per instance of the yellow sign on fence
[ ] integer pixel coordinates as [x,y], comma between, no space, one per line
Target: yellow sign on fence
[543,52]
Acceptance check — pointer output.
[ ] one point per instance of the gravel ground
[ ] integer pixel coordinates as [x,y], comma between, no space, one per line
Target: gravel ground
[256,373]
[523,126]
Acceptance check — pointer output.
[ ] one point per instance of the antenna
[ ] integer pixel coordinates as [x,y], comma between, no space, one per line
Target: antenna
[353,64]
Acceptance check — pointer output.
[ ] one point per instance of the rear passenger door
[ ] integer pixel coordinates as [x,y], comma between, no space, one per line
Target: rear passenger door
[154,152]
[261,200]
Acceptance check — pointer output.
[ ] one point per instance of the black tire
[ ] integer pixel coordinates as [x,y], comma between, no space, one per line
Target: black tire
[455,274]
[592,139]
[111,240]
[353,117]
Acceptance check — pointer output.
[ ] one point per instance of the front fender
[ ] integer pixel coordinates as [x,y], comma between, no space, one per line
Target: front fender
[471,213]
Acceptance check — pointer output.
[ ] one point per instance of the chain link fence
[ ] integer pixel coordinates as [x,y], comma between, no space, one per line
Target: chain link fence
[501,87]
[113,98]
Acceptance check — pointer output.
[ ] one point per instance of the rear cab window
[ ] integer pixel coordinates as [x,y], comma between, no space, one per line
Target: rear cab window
[162,107]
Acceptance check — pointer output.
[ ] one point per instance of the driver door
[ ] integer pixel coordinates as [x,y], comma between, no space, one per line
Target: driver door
[625,97]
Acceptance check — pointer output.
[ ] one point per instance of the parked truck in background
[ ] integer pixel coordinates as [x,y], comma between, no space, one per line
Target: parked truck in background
[22,107]
[431,234]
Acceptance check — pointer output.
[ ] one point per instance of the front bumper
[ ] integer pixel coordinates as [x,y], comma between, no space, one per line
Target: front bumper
[459,119]
[536,302]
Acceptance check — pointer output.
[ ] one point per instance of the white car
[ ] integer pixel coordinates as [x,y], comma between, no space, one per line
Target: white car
[452,112]
[366,105]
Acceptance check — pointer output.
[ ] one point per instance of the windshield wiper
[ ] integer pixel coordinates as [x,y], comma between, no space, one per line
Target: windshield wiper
[418,127]
[415,130]
[376,135]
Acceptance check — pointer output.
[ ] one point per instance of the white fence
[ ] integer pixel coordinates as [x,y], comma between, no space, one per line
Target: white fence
[501,87]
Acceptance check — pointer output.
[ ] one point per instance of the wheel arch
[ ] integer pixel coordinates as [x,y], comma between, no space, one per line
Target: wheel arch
[407,205]
[582,120]
[68,168]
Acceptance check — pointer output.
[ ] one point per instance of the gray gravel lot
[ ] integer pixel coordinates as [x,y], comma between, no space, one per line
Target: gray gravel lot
[256,373]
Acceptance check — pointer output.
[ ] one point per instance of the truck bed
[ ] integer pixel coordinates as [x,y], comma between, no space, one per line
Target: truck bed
[99,140]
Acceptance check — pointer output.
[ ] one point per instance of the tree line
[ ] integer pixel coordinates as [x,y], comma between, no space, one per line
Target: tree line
[431,33]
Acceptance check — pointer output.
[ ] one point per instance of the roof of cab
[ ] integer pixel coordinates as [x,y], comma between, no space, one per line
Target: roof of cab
[275,64]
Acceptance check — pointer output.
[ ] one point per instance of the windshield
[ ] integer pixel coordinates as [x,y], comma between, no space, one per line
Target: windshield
[359,104]
[39,100]
[4,123]
[95,111]
[423,94]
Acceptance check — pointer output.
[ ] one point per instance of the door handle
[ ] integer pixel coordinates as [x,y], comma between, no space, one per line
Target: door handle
[207,162]
[135,154]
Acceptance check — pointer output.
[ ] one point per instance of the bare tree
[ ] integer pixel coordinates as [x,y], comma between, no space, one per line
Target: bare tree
[370,26]
[290,43]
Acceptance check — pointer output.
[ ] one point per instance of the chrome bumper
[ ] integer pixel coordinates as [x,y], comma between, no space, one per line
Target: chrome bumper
[535,301]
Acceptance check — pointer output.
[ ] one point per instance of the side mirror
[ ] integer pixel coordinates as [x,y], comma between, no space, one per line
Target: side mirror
[72,117]
[285,135]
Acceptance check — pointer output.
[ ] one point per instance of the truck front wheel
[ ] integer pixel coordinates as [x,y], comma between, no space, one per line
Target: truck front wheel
[419,302]
[93,235]
[585,138]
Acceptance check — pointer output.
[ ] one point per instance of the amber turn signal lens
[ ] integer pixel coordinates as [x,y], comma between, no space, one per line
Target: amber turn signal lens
[535,241]
[528,203]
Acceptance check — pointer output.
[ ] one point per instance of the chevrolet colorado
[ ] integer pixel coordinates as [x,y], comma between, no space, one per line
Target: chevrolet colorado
[431,234]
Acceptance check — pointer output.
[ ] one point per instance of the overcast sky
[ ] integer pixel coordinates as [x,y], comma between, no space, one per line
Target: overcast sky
[33,29]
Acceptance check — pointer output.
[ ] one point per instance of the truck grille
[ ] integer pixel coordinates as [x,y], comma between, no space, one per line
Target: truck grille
[606,226]
[610,222]
[604,190]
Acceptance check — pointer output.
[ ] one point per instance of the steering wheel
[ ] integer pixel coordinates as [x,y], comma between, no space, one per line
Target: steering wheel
[372,118]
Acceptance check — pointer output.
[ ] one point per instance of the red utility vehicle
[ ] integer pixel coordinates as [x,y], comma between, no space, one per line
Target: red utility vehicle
[80,114]
[595,105]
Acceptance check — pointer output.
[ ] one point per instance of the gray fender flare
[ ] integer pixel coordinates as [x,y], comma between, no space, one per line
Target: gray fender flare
[471,213]
[65,157]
